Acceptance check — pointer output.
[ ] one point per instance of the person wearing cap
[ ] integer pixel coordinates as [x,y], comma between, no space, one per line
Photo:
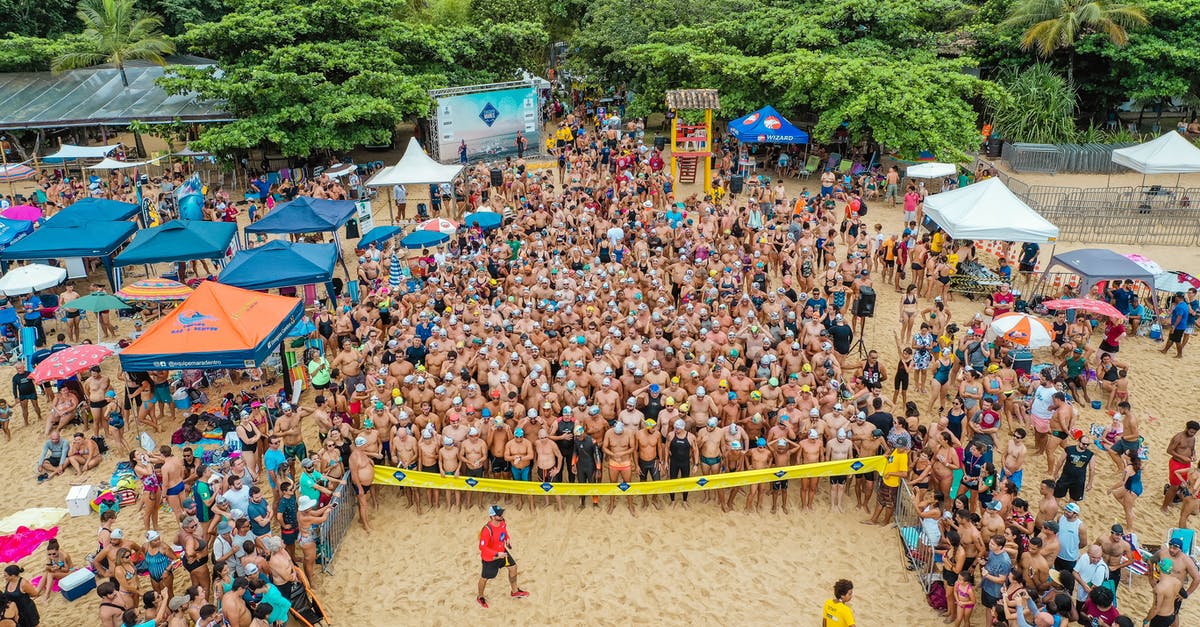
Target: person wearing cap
[780,450]
[618,447]
[1072,536]
[362,476]
[651,457]
[308,516]
[683,454]
[1183,568]
[495,547]
[811,450]
[838,449]
[585,462]
[313,483]
[450,465]
[1167,591]
[1115,550]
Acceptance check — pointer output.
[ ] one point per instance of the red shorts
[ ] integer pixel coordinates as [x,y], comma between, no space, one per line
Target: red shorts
[1172,466]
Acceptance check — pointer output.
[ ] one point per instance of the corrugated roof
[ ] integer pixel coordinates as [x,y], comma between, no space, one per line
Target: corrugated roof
[97,96]
[693,99]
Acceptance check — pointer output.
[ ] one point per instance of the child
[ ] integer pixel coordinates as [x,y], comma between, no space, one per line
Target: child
[5,414]
[964,597]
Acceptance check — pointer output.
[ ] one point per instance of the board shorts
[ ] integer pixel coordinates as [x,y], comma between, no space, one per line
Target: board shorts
[162,393]
[491,568]
[1172,466]
[299,451]
[521,474]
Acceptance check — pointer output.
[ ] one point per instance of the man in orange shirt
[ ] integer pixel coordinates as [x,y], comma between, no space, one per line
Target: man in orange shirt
[493,550]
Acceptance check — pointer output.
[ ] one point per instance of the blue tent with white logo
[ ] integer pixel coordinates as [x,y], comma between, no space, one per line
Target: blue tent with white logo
[766,126]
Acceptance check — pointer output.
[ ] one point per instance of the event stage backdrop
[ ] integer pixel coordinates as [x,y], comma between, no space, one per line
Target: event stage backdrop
[488,121]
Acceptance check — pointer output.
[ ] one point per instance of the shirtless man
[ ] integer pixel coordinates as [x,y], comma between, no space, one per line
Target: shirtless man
[781,456]
[173,475]
[288,429]
[1166,592]
[1013,468]
[1181,452]
[160,379]
[618,447]
[449,464]
[1035,566]
[350,363]
[711,440]
[1062,418]
[362,475]
[652,457]
[758,458]
[549,461]
[404,455]
[84,454]
[812,451]
[518,452]
[1183,568]
[837,450]
[66,297]
[233,607]
[94,388]
[114,602]
[1131,438]
[473,453]
[1115,550]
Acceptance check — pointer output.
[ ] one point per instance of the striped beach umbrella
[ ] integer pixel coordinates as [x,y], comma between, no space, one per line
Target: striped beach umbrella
[394,272]
[15,172]
[155,290]
[439,225]
[1022,329]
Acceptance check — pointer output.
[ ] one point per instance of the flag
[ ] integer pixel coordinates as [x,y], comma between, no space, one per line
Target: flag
[189,187]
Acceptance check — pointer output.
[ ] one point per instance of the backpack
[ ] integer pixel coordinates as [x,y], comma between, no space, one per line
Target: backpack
[936,597]
[862,208]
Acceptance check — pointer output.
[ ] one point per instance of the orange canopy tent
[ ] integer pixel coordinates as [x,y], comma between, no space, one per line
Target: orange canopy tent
[218,326]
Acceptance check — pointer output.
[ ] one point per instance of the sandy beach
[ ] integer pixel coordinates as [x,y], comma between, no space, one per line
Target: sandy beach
[675,566]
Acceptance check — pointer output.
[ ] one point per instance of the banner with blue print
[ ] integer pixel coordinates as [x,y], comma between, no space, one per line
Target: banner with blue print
[488,122]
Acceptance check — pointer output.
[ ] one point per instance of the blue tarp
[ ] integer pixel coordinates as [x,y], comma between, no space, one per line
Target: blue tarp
[378,235]
[12,229]
[99,209]
[766,126]
[422,239]
[305,215]
[59,238]
[179,240]
[280,264]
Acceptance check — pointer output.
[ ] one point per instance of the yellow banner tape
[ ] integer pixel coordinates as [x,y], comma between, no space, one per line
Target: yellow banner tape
[386,475]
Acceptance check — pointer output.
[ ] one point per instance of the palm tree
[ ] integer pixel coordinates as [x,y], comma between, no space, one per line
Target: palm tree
[1052,25]
[119,32]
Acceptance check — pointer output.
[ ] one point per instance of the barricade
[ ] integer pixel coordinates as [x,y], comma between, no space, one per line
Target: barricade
[916,555]
[331,532]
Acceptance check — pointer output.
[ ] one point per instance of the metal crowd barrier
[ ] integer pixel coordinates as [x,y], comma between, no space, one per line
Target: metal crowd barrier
[331,532]
[1043,158]
[916,556]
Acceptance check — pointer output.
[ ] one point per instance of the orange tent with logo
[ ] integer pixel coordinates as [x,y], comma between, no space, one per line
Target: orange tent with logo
[218,326]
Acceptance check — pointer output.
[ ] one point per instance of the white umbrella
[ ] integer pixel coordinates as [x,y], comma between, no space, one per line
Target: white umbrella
[31,278]
[931,170]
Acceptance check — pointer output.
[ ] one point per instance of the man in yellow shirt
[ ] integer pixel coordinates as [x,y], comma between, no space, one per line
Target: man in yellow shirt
[836,613]
[895,469]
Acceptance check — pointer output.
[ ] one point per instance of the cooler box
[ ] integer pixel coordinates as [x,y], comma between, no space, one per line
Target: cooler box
[181,398]
[77,583]
[79,499]
[1022,359]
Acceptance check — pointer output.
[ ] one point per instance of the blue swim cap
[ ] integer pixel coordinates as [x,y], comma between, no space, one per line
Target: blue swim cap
[761,441]
[519,432]
[654,388]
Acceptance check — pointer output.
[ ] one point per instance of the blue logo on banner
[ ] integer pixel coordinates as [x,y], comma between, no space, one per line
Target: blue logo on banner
[702,482]
[399,475]
[856,465]
[547,486]
[471,482]
[489,114]
[781,473]
[623,486]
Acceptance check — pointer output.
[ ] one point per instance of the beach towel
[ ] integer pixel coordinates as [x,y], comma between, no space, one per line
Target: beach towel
[22,543]
[32,518]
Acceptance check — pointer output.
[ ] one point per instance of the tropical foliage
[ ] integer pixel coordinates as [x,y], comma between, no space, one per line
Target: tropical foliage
[116,32]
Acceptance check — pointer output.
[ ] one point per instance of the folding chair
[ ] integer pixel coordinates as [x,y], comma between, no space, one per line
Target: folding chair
[810,166]
[844,167]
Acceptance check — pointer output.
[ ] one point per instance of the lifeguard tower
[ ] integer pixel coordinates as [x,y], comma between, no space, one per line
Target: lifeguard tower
[691,144]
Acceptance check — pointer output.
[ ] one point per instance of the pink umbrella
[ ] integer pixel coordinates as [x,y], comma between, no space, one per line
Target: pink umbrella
[440,225]
[70,362]
[1090,305]
[23,212]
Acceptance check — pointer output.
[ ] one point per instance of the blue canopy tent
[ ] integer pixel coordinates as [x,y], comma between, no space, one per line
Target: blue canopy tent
[13,229]
[486,220]
[280,264]
[422,239]
[766,126]
[378,235]
[59,238]
[99,209]
[179,240]
[308,215]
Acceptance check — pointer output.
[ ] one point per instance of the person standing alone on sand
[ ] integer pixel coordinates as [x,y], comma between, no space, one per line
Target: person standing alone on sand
[493,550]
[836,613]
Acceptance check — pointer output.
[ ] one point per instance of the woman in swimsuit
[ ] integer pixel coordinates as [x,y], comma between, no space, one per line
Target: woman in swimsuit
[908,310]
[249,435]
[158,563]
[309,517]
[945,461]
[195,552]
[58,565]
[953,557]
[939,390]
[922,345]
[151,498]
[19,593]
[1129,487]
[125,576]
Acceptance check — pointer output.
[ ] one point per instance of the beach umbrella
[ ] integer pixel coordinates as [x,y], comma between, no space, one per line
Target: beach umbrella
[70,362]
[155,291]
[1022,329]
[394,272]
[31,278]
[423,239]
[1147,264]
[100,301]
[15,172]
[438,225]
[23,212]
[1174,281]
[1089,305]
[486,220]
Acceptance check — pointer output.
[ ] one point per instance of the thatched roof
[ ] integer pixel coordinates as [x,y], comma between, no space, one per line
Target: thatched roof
[693,99]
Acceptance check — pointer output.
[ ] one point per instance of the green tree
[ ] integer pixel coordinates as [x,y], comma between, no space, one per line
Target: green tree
[117,33]
[1053,25]
[1039,107]
[36,18]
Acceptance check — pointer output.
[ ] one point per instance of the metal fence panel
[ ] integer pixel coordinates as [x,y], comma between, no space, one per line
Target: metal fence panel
[334,529]
[918,555]
[1045,158]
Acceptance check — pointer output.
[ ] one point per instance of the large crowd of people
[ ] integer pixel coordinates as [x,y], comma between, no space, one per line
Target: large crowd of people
[619,329]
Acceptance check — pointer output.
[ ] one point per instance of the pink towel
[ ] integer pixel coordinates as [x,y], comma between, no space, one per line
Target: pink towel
[24,542]
[38,580]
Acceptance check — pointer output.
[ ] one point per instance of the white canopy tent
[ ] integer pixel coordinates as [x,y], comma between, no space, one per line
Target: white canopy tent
[71,151]
[113,164]
[415,167]
[931,170]
[1169,154]
[987,210]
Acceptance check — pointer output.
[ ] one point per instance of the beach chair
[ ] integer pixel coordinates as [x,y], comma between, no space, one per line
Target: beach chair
[844,167]
[833,160]
[810,166]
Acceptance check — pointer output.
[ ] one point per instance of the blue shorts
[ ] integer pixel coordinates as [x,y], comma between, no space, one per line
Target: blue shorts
[162,393]
[521,474]
[1016,477]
